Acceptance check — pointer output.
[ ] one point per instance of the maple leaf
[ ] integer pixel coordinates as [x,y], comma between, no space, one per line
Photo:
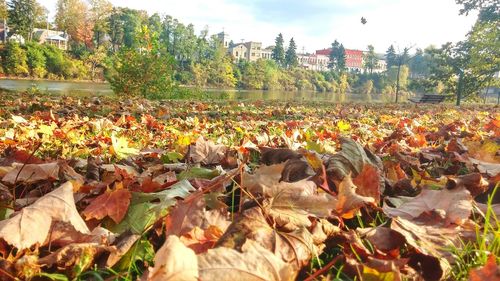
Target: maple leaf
[206,152]
[174,261]
[455,206]
[254,263]
[368,182]
[31,173]
[31,225]
[120,147]
[112,203]
[348,200]
[489,271]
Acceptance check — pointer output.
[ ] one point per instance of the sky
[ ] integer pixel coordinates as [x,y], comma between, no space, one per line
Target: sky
[315,24]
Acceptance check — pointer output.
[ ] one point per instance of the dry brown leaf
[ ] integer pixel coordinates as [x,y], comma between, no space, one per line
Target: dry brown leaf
[254,263]
[474,182]
[176,262]
[31,225]
[112,203]
[266,181]
[77,254]
[348,200]
[368,182]
[200,240]
[122,247]
[31,173]
[206,152]
[455,206]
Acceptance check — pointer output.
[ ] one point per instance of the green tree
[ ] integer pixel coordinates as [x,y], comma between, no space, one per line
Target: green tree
[22,16]
[469,66]
[278,54]
[95,60]
[370,59]
[343,84]
[390,57]
[36,60]
[16,60]
[100,11]
[145,71]
[291,59]
[337,57]
[489,10]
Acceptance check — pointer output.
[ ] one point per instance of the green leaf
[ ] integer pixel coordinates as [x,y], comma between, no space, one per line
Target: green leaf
[139,217]
[54,276]
[141,251]
[171,157]
[198,173]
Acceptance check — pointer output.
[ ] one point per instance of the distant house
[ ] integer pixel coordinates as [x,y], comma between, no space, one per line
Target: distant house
[314,62]
[254,50]
[267,53]
[16,38]
[238,51]
[51,37]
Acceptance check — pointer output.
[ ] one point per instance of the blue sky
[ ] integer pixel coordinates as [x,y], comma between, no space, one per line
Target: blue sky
[316,23]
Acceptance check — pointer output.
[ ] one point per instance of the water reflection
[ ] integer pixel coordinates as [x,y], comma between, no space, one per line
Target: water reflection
[90,88]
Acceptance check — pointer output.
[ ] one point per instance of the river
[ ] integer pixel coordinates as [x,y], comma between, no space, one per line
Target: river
[96,89]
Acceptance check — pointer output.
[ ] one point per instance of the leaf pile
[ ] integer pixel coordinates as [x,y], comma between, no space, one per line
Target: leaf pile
[196,191]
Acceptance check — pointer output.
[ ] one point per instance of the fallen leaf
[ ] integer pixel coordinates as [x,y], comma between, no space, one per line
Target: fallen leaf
[490,271]
[31,225]
[454,205]
[206,152]
[254,263]
[174,261]
[112,203]
[348,200]
[31,173]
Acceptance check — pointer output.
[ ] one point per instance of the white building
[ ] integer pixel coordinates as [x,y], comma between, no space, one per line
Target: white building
[314,62]
[239,52]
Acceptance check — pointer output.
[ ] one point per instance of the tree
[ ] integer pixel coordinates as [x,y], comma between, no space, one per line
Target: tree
[278,54]
[337,57]
[100,11]
[3,10]
[16,60]
[370,59]
[489,10]
[72,16]
[291,59]
[95,59]
[469,66]
[145,71]
[390,57]
[23,16]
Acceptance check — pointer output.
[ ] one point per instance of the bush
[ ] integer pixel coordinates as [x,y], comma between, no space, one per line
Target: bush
[36,60]
[16,60]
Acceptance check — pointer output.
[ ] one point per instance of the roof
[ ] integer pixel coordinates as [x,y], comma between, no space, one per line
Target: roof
[56,38]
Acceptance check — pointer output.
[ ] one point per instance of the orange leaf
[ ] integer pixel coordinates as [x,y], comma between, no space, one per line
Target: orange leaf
[368,182]
[113,204]
[489,271]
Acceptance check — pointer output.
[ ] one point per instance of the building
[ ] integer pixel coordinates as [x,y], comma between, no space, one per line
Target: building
[313,62]
[16,38]
[254,50]
[354,60]
[224,39]
[238,51]
[267,53]
[51,37]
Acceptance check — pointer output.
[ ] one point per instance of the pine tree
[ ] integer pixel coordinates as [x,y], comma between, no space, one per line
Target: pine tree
[337,56]
[21,15]
[279,51]
[291,59]
[390,57]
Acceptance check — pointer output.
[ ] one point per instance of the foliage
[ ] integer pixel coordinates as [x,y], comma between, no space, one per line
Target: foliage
[489,10]
[370,59]
[337,57]
[146,71]
[22,15]
[3,9]
[294,190]
[291,59]
[279,50]
[15,60]
[36,60]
